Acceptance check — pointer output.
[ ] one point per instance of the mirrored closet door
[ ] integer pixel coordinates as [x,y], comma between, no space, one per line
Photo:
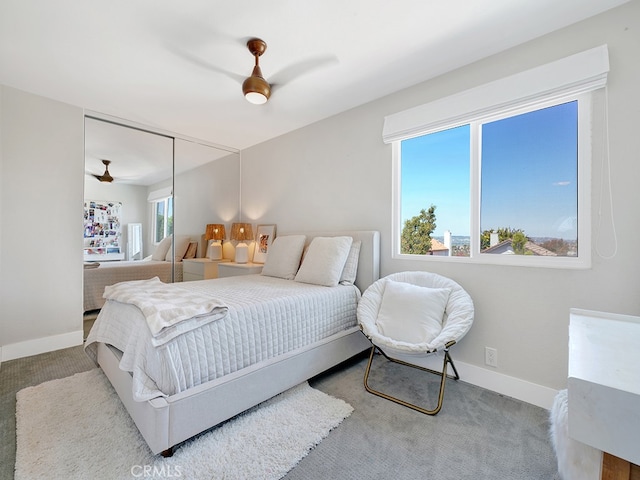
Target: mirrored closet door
[148,196]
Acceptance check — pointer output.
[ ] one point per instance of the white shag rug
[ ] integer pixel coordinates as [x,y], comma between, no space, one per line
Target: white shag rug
[576,461]
[77,428]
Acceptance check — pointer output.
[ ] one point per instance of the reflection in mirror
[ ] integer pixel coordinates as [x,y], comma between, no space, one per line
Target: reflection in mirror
[119,223]
[167,191]
[206,186]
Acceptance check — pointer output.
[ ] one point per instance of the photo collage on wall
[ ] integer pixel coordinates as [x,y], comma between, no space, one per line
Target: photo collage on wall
[102,228]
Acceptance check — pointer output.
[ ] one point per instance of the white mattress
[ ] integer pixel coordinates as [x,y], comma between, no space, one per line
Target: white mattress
[267,317]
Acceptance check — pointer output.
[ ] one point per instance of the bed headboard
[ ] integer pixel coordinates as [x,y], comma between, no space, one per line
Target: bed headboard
[369,260]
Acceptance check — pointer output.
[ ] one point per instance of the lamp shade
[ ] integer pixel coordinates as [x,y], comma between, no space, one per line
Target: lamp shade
[215,231]
[241,232]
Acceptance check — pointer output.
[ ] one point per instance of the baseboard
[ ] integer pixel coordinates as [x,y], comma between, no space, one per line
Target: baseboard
[41,345]
[505,385]
[491,380]
[481,377]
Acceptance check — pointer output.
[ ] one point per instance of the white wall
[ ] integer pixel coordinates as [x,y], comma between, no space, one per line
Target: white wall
[41,216]
[207,194]
[336,174]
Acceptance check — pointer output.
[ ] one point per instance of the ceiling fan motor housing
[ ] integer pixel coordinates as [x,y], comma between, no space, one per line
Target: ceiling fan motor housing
[255,88]
[106,176]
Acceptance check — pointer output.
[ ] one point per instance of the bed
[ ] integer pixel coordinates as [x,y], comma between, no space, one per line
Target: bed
[96,278]
[98,275]
[268,335]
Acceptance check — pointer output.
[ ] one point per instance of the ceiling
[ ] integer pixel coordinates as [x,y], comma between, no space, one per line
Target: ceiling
[178,66]
[140,157]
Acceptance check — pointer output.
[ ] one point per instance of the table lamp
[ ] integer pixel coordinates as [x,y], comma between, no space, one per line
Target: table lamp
[215,233]
[241,232]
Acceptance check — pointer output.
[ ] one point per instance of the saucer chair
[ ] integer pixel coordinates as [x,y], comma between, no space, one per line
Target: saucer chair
[409,316]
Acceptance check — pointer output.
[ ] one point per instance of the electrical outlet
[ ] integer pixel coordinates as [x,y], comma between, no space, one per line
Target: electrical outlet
[491,356]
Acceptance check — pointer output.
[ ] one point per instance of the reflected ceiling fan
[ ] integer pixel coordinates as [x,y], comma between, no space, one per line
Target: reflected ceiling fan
[106,176]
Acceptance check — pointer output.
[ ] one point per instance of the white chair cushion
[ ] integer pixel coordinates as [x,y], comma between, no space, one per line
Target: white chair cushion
[409,313]
[458,315]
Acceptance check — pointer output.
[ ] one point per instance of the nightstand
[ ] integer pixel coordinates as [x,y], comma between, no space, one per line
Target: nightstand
[232,269]
[200,268]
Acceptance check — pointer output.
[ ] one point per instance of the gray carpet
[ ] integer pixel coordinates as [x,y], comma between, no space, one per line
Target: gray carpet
[477,435]
[25,372]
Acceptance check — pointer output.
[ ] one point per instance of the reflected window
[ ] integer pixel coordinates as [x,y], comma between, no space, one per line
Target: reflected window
[163,218]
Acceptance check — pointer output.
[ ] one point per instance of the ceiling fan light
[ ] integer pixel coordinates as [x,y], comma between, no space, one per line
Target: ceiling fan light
[256,89]
[255,97]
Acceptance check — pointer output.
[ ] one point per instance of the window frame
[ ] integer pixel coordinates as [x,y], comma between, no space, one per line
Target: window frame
[585,120]
[154,219]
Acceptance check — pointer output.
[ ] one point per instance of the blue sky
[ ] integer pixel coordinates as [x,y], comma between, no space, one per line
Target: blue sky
[528,175]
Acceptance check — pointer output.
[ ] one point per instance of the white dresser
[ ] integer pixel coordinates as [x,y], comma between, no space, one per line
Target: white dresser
[604,386]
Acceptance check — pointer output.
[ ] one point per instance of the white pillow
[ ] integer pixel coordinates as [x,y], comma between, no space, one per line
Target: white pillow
[324,261]
[284,255]
[182,243]
[412,314]
[350,269]
[161,250]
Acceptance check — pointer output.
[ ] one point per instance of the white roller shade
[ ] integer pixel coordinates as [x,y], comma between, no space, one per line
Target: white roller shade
[579,73]
[160,194]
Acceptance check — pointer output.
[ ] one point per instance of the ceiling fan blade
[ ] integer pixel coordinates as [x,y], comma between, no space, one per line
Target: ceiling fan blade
[196,60]
[299,69]
[103,178]
[106,176]
[188,31]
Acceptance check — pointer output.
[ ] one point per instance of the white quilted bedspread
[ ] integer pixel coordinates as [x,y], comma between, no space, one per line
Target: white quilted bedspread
[169,308]
[266,317]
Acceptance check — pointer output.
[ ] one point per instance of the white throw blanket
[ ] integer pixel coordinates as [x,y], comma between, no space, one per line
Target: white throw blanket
[169,309]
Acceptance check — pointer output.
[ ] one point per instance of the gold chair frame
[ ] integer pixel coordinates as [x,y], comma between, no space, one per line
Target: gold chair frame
[443,377]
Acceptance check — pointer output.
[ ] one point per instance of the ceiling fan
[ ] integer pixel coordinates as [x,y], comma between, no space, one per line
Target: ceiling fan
[255,88]
[106,176]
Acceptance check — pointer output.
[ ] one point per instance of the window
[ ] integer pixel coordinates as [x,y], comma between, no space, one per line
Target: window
[162,218]
[435,176]
[500,173]
[529,174]
[524,170]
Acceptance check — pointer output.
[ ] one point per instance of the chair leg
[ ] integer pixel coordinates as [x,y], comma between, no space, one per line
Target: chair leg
[443,378]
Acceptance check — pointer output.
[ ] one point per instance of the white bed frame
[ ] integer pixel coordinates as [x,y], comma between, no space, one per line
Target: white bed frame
[166,422]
